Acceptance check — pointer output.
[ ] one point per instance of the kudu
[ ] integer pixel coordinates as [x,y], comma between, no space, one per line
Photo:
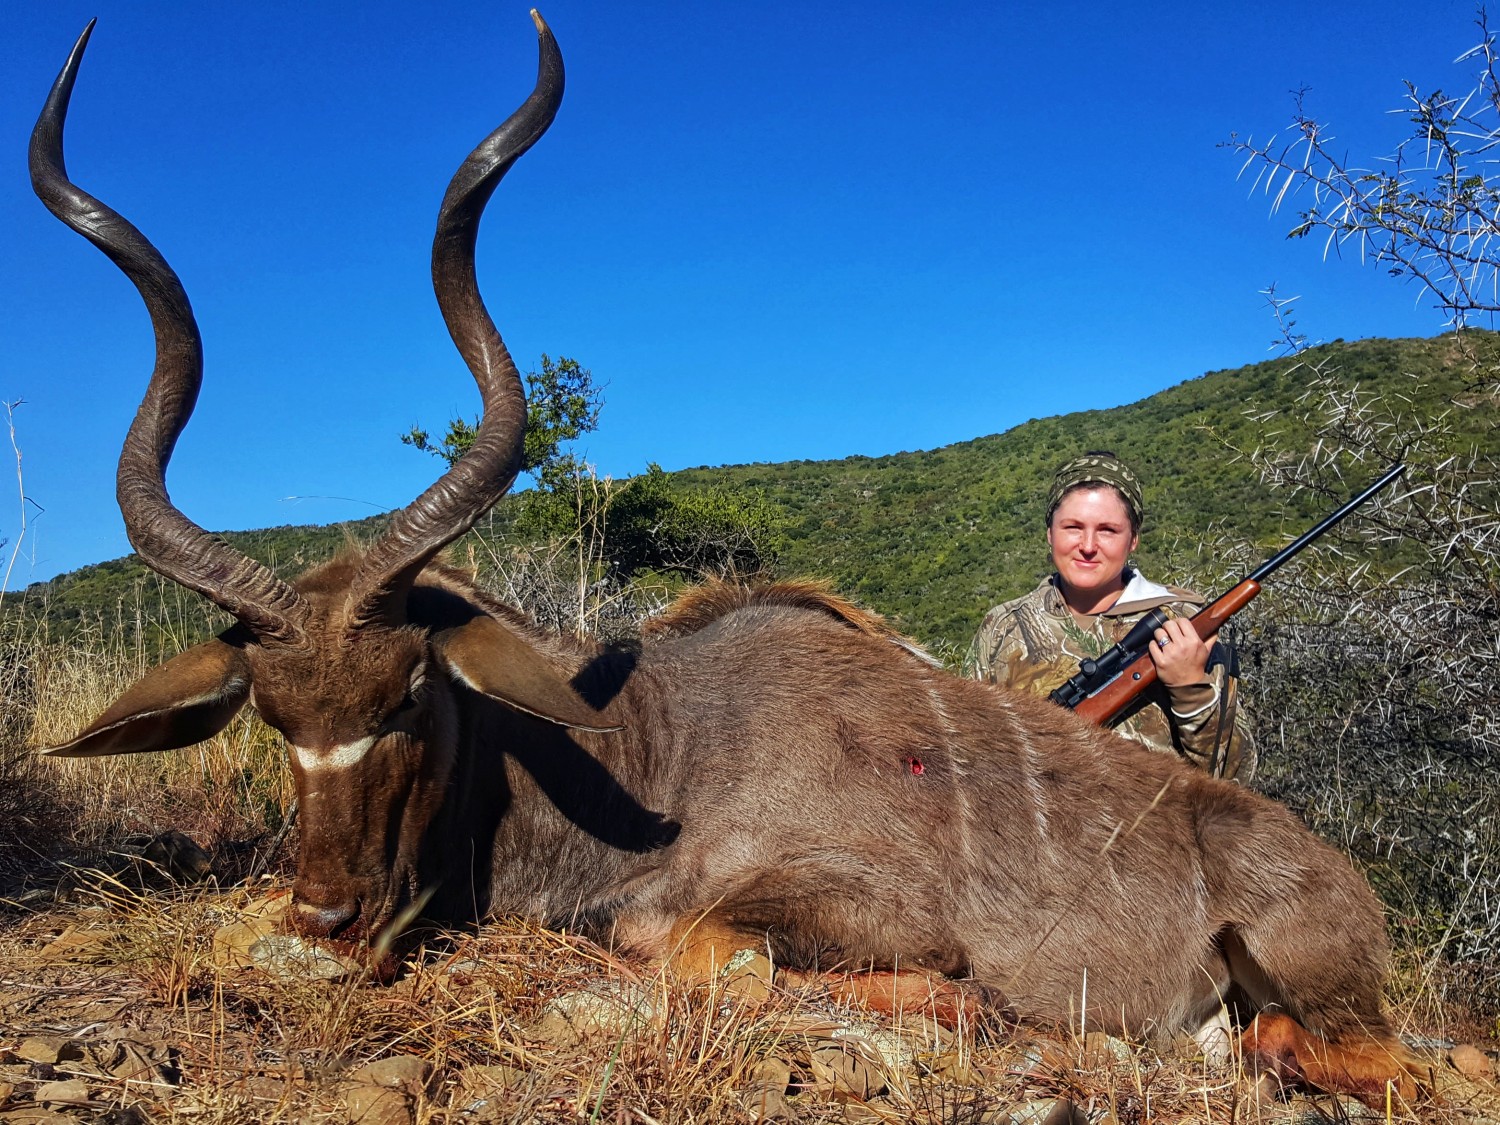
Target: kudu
[769,768]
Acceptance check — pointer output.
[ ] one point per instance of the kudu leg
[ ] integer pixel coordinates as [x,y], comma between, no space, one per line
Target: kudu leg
[1278,1045]
[704,947]
[912,992]
[1307,950]
[1357,1052]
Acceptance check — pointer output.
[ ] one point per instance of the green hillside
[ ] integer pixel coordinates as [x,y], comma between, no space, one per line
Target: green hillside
[933,538]
[936,537]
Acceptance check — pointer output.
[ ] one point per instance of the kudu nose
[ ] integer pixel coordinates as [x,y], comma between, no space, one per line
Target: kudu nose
[322,921]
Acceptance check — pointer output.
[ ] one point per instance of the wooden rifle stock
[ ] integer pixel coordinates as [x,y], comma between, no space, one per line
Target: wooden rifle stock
[1139,675]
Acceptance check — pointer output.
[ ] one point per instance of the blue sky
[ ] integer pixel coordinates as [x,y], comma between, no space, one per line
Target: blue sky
[775,232]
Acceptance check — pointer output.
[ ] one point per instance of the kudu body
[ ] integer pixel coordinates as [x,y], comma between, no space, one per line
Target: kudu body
[768,768]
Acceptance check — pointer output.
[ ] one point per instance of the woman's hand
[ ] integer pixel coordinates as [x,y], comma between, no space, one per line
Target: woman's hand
[1180,654]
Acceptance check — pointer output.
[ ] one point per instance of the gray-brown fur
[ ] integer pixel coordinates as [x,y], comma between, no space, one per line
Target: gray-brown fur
[764,772]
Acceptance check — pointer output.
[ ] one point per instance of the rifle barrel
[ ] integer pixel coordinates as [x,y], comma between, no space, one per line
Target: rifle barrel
[1287,553]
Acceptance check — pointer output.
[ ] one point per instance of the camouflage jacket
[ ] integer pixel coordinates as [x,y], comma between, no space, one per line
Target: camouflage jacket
[1034,644]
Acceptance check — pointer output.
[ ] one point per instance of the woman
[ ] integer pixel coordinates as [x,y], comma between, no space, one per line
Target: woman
[1035,642]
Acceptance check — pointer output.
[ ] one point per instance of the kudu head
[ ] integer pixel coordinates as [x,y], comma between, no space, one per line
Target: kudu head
[362,668]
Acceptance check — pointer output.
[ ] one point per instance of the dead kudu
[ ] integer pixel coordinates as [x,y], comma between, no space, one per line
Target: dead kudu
[769,768]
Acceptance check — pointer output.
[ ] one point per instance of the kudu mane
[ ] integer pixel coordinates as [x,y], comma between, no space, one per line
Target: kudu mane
[698,607]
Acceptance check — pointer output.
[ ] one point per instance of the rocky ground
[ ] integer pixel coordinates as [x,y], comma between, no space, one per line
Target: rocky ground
[175,1005]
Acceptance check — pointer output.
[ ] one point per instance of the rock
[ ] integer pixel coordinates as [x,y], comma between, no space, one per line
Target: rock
[1304,1110]
[272,907]
[49,1050]
[748,975]
[84,944]
[609,1010]
[481,1089]
[764,1096]
[380,1105]
[1044,1111]
[72,1092]
[1100,1051]
[848,1070]
[134,1062]
[399,1072]
[387,1091]
[35,1115]
[177,857]
[1045,1057]
[239,944]
[891,1049]
[1472,1063]
[294,958]
[951,1067]
[256,942]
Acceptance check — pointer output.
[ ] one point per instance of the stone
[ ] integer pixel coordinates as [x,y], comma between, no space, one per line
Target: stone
[257,941]
[1100,1051]
[134,1062]
[380,1105]
[49,1050]
[294,958]
[951,1067]
[387,1091]
[764,1096]
[82,944]
[609,1010]
[1045,1057]
[481,1089]
[35,1115]
[888,1048]
[1471,1062]
[858,1113]
[398,1072]
[848,1071]
[231,943]
[1043,1111]
[74,1091]
[748,975]
[178,857]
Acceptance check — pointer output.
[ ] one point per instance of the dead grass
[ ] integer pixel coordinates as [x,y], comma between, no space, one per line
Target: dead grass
[229,793]
[494,1026]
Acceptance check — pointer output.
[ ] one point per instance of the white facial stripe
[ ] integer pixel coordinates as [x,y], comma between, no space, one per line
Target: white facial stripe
[335,757]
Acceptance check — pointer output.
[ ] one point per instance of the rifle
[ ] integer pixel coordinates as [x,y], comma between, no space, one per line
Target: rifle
[1106,685]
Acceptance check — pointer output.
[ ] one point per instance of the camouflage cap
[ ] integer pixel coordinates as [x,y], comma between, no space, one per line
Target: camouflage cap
[1098,467]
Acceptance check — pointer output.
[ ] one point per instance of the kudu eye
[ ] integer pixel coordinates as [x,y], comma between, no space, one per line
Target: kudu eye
[412,699]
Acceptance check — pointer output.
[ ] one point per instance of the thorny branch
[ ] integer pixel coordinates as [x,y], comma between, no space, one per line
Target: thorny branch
[1428,213]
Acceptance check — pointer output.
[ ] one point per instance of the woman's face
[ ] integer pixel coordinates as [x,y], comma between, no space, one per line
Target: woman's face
[1091,540]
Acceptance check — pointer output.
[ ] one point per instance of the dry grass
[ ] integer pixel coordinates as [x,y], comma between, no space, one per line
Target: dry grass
[481,1023]
[229,793]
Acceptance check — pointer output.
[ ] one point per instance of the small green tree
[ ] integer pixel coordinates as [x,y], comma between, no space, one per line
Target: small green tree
[562,404]
[593,543]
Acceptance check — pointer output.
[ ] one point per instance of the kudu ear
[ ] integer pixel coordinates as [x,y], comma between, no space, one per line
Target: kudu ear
[494,661]
[189,698]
